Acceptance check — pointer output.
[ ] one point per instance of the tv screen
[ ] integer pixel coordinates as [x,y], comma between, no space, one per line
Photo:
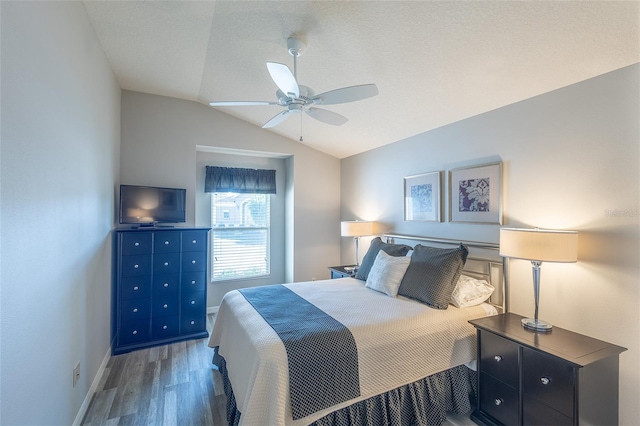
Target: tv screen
[147,205]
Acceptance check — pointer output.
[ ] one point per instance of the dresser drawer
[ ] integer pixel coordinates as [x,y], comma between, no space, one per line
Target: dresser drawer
[499,358]
[134,332]
[132,266]
[134,310]
[136,243]
[534,413]
[193,303]
[164,327]
[499,400]
[194,281]
[192,323]
[194,241]
[548,380]
[166,286]
[166,242]
[194,261]
[166,263]
[164,307]
[135,287]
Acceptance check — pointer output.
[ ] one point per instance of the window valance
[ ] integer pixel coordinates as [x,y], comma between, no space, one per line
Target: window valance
[242,181]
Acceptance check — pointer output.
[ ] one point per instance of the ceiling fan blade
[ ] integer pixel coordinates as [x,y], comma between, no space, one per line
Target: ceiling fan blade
[277,119]
[241,103]
[346,94]
[284,79]
[328,117]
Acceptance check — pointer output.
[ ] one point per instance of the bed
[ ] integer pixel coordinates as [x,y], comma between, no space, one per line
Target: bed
[371,358]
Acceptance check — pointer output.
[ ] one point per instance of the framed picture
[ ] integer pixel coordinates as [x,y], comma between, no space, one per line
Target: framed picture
[422,197]
[475,194]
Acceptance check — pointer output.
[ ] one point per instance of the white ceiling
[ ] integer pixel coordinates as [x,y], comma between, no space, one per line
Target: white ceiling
[434,62]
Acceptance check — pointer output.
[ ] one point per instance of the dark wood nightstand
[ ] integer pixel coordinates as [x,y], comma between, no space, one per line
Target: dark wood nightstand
[341,272]
[554,378]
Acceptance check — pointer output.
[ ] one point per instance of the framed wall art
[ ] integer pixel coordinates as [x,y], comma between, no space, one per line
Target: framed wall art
[475,194]
[422,197]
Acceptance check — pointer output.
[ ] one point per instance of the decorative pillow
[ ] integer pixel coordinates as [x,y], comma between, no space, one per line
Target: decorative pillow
[387,272]
[433,274]
[470,292]
[374,248]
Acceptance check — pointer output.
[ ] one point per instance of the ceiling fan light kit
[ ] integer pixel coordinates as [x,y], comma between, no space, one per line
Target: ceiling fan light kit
[296,98]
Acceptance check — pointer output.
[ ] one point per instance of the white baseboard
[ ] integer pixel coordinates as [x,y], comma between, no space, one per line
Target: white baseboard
[94,386]
[212,309]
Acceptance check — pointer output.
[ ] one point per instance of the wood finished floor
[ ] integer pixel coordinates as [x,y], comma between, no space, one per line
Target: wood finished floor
[168,385]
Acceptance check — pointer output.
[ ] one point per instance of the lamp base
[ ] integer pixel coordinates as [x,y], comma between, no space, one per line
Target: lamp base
[536,325]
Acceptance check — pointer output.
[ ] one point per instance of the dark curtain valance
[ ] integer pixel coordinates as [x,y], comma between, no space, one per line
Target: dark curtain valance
[243,181]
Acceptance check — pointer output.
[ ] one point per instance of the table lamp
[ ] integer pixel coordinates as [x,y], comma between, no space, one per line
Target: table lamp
[356,229]
[538,245]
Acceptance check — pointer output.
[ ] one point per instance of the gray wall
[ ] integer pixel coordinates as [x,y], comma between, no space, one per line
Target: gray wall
[571,160]
[161,138]
[59,169]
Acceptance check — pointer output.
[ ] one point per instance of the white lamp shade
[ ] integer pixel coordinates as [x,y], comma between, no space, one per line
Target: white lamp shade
[356,228]
[539,244]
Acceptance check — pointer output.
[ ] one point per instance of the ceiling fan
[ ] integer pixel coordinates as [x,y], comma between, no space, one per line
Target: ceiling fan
[296,98]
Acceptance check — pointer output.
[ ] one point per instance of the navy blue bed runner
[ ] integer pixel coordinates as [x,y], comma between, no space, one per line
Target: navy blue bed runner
[321,352]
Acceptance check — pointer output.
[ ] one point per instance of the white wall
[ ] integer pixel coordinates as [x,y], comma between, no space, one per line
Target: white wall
[571,161]
[160,136]
[60,154]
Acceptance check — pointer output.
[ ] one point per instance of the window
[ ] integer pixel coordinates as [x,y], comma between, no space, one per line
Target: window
[240,235]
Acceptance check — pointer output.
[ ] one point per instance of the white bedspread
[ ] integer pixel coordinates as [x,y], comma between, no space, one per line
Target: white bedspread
[399,341]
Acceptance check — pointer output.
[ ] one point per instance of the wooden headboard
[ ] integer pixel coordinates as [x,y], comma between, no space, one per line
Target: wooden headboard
[484,262]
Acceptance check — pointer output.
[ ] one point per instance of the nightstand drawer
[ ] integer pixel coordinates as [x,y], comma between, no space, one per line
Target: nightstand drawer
[548,380]
[537,414]
[499,400]
[499,358]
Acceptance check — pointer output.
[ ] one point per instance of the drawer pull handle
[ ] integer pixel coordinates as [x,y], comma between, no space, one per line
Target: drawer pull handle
[136,244]
[135,332]
[166,263]
[165,306]
[166,243]
[193,322]
[135,288]
[545,380]
[135,309]
[193,302]
[164,327]
[498,358]
[166,284]
[136,266]
[498,401]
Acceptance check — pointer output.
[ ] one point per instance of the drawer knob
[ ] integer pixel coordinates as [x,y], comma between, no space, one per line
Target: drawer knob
[165,306]
[193,281]
[498,358]
[193,322]
[166,263]
[166,284]
[193,262]
[498,401]
[164,327]
[135,288]
[193,241]
[136,244]
[136,266]
[135,309]
[166,243]
[193,302]
[135,332]
[545,380]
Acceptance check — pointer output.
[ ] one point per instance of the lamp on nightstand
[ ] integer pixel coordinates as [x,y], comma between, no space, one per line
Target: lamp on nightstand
[538,245]
[356,229]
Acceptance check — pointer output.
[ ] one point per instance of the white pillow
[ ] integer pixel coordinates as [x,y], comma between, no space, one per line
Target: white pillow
[470,292]
[387,272]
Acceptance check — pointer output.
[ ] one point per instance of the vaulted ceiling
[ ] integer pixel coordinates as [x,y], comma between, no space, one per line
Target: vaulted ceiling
[434,62]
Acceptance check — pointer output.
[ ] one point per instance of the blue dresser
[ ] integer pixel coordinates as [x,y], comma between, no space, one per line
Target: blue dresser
[159,289]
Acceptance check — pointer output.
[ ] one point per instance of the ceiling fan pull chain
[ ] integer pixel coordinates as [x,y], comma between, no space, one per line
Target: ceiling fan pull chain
[300,127]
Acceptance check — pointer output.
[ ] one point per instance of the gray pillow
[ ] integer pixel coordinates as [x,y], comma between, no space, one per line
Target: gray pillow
[433,274]
[374,248]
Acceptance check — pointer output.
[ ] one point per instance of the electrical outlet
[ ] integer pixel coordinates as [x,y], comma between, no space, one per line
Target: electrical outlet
[76,374]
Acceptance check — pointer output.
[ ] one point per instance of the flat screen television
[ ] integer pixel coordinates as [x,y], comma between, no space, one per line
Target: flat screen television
[148,205]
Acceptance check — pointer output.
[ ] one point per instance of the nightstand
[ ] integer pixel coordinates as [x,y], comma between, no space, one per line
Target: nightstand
[554,378]
[341,271]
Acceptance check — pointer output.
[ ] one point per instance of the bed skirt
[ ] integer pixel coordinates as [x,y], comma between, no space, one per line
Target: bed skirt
[424,402]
